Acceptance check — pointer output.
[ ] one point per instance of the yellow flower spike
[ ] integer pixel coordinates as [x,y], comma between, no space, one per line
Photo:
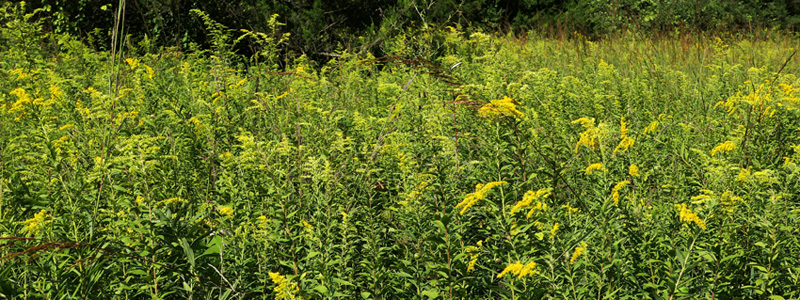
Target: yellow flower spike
[589,137]
[570,210]
[473,253]
[519,269]
[528,201]
[36,224]
[585,122]
[578,252]
[651,128]
[173,200]
[284,288]
[624,144]
[554,230]
[626,141]
[132,62]
[55,92]
[479,194]
[727,146]
[595,167]
[506,107]
[686,215]
[634,171]
[226,211]
[616,189]
[744,175]
[150,72]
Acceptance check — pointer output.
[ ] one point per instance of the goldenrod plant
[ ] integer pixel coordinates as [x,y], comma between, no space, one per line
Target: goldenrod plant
[462,166]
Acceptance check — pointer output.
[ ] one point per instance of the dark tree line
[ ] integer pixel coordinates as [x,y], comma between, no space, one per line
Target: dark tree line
[320,26]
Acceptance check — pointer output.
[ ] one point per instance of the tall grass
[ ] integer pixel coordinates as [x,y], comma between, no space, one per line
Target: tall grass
[459,167]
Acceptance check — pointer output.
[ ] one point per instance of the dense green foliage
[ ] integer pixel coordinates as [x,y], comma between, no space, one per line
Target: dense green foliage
[504,168]
[320,27]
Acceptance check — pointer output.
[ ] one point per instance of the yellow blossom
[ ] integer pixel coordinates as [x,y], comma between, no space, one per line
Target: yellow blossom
[36,224]
[615,191]
[500,108]
[706,195]
[519,269]
[554,230]
[132,62]
[652,128]
[578,252]
[150,72]
[570,209]
[727,146]
[528,202]
[55,92]
[473,253]
[284,288]
[589,137]
[226,211]
[729,201]
[479,194]
[140,200]
[688,216]
[626,143]
[173,200]
[594,167]
[634,171]
[262,222]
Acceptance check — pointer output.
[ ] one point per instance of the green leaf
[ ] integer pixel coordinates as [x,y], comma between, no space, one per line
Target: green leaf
[342,282]
[187,250]
[311,255]
[213,246]
[431,294]
[321,289]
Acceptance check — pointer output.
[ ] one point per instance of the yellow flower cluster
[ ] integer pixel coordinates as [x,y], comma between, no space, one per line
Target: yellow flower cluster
[413,196]
[652,127]
[595,167]
[634,171]
[480,193]
[688,216]
[519,269]
[578,252]
[570,209]
[528,202]
[226,211]
[626,141]
[554,230]
[706,195]
[133,63]
[615,191]
[473,253]
[55,92]
[284,289]
[589,137]
[36,224]
[24,100]
[729,201]
[173,200]
[727,146]
[506,107]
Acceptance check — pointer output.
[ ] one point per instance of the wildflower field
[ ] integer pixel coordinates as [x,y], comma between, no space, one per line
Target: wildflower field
[457,166]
